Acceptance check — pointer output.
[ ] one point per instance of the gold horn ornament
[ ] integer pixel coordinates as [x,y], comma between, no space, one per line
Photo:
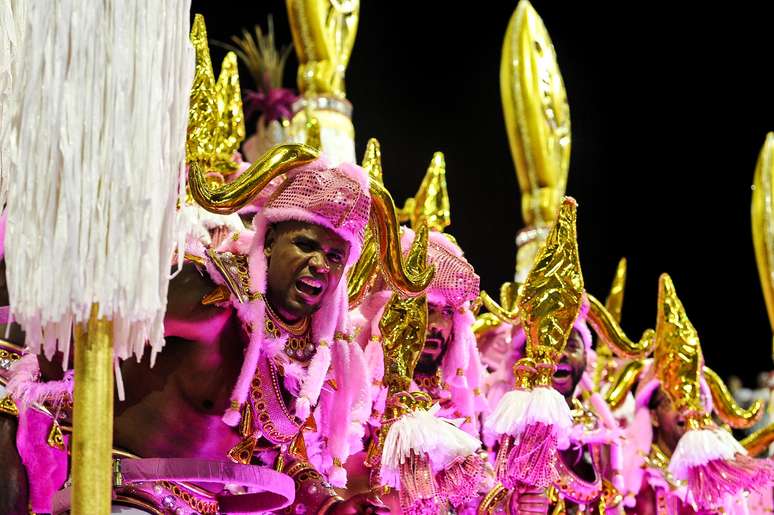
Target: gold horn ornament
[622,383]
[231,197]
[726,407]
[608,330]
[762,214]
[759,441]
[203,110]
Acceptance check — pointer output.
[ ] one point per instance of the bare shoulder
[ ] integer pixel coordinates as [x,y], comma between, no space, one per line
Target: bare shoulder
[187,317]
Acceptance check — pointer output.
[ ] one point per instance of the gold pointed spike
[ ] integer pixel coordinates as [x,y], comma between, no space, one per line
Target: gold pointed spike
[404,322]
[763,222]
[622,383]
[231,119]
[614,301]
[551,297]
[372,160]
[323,36]
[678,358]
[431,203]
[203,110]
[613,304]
[537,116]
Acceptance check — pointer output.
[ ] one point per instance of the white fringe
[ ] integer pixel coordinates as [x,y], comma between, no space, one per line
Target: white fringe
[100,108]
[700,446]
[421,431]
[12,16]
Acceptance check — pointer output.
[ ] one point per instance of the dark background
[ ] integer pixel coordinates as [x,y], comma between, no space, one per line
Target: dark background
[669,108]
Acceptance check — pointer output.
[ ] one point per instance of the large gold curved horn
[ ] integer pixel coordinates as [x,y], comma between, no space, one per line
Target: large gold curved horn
[727,408]
[759,441]
[607,329]
[502,314]
[622,383]
[229,198]
[385,227]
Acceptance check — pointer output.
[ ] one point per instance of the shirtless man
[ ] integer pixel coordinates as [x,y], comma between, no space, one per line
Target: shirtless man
[175,409]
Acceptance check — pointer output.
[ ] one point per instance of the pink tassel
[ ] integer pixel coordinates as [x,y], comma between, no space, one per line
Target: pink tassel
[459,482]
[711,484]
[418,490]
[532,459]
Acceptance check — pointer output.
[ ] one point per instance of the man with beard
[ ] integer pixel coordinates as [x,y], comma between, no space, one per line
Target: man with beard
[251,331]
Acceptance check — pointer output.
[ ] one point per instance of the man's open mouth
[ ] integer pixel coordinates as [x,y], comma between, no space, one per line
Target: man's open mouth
[432,344]
[310,287]
[562,371]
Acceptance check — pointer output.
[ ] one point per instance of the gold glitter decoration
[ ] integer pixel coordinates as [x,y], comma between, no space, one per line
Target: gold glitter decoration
[552,294]
[537,116]
[678,357]
[323,35]
[431,203]
[762,211]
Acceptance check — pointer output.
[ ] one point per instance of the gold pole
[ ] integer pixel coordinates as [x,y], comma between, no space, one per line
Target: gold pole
[93,417]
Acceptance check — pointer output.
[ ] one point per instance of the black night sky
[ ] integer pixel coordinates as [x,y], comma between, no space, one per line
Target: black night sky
[669,109]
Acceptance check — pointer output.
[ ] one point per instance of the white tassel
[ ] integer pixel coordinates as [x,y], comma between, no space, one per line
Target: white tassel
[698,447]
[508,416]
[97,154]
[422,432]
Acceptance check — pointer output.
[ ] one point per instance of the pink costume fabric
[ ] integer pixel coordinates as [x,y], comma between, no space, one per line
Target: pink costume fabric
[338,199]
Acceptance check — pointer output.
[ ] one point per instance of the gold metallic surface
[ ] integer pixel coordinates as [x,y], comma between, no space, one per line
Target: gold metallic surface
[622,383]
[323,35]
[364,271]
[403,324]
[502,314]
[92,437]
[8,406]
[484,323]
[492,499]
[216,125]
[759,441]
[384,223]
[229,198]
[762,211]
[726,407]
[231,120]
[551,297]
[537,116]
[614,301]
[613,305]
[677,356]
[610,332]
[203,109]
[431,203]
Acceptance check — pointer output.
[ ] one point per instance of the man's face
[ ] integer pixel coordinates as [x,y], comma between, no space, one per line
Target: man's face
[571,365]
[305,261]
[669,425]
[440,326]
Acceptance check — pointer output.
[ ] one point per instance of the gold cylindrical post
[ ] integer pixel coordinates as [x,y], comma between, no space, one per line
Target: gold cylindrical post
[93,417]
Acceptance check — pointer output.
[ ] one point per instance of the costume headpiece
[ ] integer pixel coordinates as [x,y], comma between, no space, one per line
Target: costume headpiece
[712,462]
[763,222]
